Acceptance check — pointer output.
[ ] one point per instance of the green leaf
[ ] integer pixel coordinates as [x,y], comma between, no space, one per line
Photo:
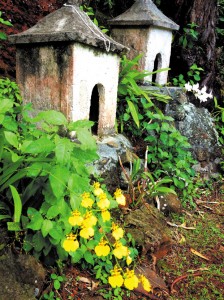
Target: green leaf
[11,139]
[58,180]
[17,204]
[86,139]
[165,190]
[51,117]
[27,243]
[57,284]
[38,241]
[6,105]
[63,151]
[76,256]
[42,145]
[36,219]
[47,225]
[56,232]
[89,257]
[133,112]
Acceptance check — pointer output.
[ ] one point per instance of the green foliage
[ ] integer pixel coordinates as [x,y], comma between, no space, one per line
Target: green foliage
[130,94]
[41,169]
[193,75]
[168,151]
[90,12]
[3,36]
[189,36]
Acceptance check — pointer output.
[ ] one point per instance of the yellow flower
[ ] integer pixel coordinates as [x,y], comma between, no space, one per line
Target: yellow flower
[115,280]
[105,215]
[76,218]
[128,260]
[120,198]
[70,244]
[97,189]
[104,202]
[89,219]
[145,283]
[102,249]
[120,250]
[86,232]
[117,232]
[131,280]
[86,200]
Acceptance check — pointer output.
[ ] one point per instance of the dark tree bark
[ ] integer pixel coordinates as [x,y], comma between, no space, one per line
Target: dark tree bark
[204,14]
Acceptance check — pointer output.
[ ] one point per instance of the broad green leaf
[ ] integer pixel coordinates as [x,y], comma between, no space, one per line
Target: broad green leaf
[12,139]
[86,139]
[53,212]
[59,180]
[89,257]
[38,241]
[46,227]
[63,151]
[51,117]
[42,145]
[76,256]
[56,232]
[5,106]
[27,243]
[36,219]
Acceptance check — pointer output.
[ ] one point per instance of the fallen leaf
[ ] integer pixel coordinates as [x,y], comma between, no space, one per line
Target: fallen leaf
[180,226]
[199,254]
[85,280]
[182,240]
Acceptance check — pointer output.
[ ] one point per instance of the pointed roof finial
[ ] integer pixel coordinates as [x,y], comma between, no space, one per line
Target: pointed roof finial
[73,2]
[144,12]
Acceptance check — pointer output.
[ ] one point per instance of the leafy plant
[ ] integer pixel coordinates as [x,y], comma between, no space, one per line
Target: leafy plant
[90,12]
[168,151]
[130,94]
[193,75]
[41,167]
[3,35]
[189,36]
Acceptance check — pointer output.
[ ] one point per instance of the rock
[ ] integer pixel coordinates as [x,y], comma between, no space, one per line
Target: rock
[21,277]
[148,227]
[197,124]
[110,148]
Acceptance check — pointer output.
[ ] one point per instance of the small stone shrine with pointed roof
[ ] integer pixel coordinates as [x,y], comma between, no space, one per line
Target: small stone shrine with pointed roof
[147,31]
[66,63]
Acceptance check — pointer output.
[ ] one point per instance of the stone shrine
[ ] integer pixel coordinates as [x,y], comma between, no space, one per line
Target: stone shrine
[66,63]
[147,31]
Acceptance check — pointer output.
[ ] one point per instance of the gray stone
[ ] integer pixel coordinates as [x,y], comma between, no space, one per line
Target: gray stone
[67,24]
[110,148]
[144,12]
[197,124]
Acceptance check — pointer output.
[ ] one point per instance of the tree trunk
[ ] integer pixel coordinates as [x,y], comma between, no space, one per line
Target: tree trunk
[203,54]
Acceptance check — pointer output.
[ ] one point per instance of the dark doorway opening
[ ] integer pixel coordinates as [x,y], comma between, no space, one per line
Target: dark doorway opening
[157,66]
[94,109]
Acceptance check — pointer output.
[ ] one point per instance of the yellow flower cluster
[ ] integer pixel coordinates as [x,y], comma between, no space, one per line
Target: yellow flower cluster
[90,219]
[86,221]
[129,279]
